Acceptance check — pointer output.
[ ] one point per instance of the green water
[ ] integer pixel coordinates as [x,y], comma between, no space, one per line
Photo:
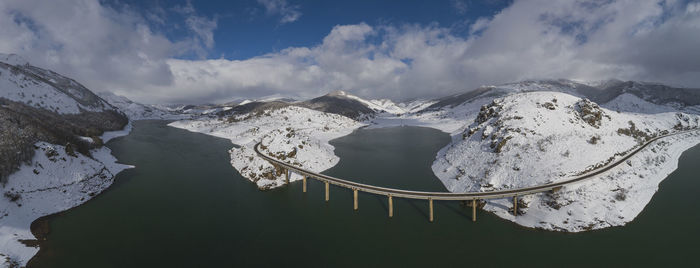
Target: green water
[185,206]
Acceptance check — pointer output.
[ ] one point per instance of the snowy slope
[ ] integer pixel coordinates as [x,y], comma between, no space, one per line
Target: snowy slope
[511,139]
[296,134]
[52,182]
[383,105]
[13,59]
[41,88]
[415,105]
[137,111]
[450,119]
[41,107]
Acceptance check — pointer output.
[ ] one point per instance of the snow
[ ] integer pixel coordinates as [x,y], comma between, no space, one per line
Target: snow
[20,88]
[449,120]
[137,111]
[611,200]
[379,105]
[53,181]
[416,105]
[632,104]
[497,143]
[109,135]
[299,134]
[13,59]
[509,148]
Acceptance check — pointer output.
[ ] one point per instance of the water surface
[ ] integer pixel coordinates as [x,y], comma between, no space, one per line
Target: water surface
[185,206]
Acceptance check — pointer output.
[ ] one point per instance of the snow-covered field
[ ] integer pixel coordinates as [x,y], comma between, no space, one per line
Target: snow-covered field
[54,181]
[299,135]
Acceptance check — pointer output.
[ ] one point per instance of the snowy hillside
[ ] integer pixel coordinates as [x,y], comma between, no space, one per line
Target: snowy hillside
[56,179]
[52,131]
[512,138]
[295,134]
[379,105]
[45,89]
[137,111]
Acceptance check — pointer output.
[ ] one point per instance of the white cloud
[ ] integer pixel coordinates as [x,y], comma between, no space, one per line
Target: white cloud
[530,39]
[288,13]
[479,25]
[460,6]
[636,40]
[103,48]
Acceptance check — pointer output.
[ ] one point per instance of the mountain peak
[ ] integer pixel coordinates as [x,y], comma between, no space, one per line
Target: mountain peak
[337,93]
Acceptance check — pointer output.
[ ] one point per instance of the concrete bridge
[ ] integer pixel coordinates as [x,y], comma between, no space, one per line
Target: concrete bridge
[390,193]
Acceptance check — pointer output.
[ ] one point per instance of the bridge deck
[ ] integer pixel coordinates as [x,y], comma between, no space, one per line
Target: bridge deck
[456,196]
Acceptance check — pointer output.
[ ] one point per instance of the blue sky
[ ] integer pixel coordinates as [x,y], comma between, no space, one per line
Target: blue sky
[246,29]
[216,51]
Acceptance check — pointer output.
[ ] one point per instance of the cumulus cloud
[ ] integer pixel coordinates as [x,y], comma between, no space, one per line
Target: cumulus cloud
[288,13]
[202,39]
[99,46]
[105,48]
[460,6]
[479,25]
[588,40]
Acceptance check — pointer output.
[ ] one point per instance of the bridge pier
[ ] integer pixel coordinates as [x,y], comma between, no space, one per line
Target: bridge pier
[327,194]
[391,207]
[303,187]
[515,205]
[430,202]
[354,193]
[473,210]
[287,173]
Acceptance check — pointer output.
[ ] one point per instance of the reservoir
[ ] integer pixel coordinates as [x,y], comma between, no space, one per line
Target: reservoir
[185,206]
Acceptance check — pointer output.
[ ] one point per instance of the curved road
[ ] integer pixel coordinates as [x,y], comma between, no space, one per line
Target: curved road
[457,196]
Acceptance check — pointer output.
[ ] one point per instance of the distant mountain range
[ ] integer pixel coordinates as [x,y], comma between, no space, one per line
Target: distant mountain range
[600,92]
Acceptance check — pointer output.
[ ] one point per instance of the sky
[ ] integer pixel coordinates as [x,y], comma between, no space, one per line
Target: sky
[156,51]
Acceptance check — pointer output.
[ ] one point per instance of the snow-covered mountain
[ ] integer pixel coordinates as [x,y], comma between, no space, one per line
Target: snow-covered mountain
[44,89]
[137,111]
[378,105]
[339,102]
[502,137]
[52,131]
[343,103]
[600,92]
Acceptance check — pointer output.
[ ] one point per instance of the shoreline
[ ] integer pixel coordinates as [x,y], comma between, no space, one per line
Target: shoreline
[60,188]
[41,228]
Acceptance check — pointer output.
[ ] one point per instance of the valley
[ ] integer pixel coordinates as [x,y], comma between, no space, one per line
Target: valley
[500,137]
